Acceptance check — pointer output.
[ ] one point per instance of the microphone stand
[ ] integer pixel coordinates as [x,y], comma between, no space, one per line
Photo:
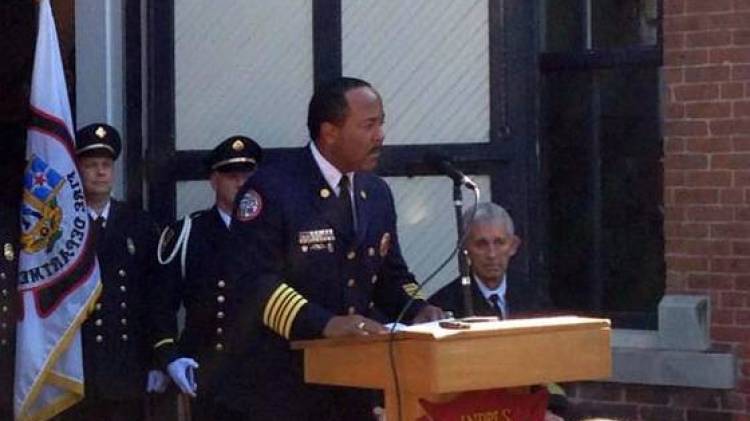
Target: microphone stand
[463,265]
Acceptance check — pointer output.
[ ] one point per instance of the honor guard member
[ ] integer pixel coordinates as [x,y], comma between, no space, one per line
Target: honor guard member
[115,336]
[317,255]
[193,274]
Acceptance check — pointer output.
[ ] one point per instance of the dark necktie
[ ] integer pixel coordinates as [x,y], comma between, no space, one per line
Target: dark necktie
[97,227]
[495,300]
[345,203]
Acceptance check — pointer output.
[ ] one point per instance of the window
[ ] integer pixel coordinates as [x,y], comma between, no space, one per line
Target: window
[600,151]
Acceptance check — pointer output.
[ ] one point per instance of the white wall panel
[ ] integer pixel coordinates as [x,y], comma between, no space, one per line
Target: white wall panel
[242,67]
[193,196]
[430,61]
[427,224]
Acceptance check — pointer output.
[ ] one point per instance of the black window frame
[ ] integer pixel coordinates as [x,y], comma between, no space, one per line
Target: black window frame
[591,60]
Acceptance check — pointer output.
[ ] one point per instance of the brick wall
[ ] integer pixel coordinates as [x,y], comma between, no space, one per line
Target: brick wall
[706,129]
[707,167]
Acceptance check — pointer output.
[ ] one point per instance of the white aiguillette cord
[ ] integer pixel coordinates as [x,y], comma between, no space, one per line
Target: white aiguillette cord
[179,246]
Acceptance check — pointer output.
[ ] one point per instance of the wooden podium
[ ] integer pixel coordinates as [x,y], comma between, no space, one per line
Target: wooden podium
[436,363]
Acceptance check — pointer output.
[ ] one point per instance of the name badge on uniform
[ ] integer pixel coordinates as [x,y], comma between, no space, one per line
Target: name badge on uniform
[131,246]
[316,240]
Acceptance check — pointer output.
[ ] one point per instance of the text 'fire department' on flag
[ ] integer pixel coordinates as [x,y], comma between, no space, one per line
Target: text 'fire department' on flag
[58,277]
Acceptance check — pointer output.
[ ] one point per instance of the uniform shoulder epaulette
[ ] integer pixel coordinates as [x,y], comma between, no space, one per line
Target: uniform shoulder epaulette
[197,214]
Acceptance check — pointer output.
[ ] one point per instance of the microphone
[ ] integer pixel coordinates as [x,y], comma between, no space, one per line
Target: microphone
[443,164]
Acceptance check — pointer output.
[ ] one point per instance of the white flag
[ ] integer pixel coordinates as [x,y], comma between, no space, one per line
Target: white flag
[58,275]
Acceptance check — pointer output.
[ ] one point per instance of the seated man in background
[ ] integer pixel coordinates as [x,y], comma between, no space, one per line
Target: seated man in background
[490,244]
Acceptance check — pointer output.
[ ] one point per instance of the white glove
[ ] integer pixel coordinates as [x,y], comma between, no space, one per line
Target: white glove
[182,373]
[157,381]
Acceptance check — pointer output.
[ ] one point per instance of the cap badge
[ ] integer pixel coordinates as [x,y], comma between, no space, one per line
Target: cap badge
[100,132]
[238,145]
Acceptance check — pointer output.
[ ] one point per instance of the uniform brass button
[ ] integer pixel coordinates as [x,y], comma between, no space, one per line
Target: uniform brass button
[99,338]
[352,310]
[123,305]
[3,342]
[219,314]
[371,305]
[5,309]
[98,322]
[374,278]
[219,331]
[351,255]
[5,292]
[123,288]
[3,276]
[221,284]
[220,299]
[3,325]
[124,337]
[350,283]
[371,251]
[124,321]
[122,273]
[219,347]
[98,306]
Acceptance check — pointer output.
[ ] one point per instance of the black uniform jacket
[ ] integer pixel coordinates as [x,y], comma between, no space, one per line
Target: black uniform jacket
[116,342]
[9,236]
[205,291]
[297,268]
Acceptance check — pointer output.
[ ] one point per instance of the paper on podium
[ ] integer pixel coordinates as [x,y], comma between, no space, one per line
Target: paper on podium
[476,325]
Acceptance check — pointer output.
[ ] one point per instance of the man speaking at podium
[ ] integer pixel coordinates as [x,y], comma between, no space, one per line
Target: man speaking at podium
[317,256]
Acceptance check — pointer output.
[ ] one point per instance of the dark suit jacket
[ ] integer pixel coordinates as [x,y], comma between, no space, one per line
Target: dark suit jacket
[116,345]
[522,299]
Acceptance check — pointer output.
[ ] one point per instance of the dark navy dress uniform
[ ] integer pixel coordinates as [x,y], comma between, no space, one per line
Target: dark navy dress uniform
[299,265]
[9,235]
[206,291]
[12,165]
[194,274]
[116,335]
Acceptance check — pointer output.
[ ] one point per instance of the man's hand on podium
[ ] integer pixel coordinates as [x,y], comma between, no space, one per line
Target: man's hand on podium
[429,313]
[354,325]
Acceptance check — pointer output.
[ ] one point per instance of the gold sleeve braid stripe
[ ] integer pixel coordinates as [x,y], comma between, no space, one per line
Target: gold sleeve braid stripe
[281,309]
[164,342]
[411,290]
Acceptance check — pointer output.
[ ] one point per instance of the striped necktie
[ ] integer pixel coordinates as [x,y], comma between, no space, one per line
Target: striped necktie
[495,300]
